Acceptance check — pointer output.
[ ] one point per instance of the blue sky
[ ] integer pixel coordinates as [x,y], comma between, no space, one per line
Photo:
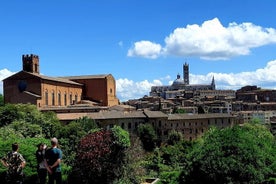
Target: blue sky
[143,43]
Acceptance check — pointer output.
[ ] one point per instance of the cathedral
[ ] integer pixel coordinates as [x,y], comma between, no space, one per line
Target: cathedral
[180,86]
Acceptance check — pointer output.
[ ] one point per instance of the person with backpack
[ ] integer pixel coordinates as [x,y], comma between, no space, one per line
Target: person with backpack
[15,163]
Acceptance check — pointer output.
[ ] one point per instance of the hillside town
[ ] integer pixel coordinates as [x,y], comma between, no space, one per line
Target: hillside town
[187,108]
[138,92]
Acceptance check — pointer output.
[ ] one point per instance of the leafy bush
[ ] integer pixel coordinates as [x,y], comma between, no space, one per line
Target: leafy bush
[169,177]
[26,113]
[100,156]
[121,137]
[242,154]
[148,136]
[174,137]
[27,147]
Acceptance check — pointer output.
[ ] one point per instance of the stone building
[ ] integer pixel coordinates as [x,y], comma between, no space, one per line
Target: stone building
[180,86]
[192,126]
[29,86]
[256,94]
[264,117]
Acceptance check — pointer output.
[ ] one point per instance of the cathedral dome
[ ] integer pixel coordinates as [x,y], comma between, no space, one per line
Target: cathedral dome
[178,81]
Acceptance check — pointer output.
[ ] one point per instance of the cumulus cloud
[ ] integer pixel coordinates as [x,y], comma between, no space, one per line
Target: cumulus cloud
[264,77]
[4,73]
[145,49]
[128,89]
[211,41]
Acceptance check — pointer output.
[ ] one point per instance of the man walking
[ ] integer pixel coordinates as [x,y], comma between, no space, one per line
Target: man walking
[15,163]
[53,157]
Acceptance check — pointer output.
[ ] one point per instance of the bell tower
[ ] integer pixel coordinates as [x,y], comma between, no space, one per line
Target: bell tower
[30,63]
[186,73]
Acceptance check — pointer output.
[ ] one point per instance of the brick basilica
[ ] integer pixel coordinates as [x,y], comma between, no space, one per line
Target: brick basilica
[29,86]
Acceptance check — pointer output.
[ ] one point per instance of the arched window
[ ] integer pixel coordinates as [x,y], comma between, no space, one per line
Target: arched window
[65,99]
[59,98]
[53,97]
[129,126]
[76,98]
[46,98]
[71,98]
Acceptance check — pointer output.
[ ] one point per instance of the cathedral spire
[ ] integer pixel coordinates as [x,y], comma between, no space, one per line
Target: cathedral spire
[213,83]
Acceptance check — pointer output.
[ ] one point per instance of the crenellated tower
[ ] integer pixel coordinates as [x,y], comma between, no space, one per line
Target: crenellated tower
[30,63]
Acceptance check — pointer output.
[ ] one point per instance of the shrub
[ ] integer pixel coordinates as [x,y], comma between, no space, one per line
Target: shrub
[100,156]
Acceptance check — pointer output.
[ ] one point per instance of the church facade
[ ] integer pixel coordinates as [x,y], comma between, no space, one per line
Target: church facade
[29,86]
[180,86]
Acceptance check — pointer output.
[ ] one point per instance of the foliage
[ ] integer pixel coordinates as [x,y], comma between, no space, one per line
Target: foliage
[168,161]
[1,100]
[174,137]
[242,154]
[8,113]
[25,129]
[49,123]
[170,177]
[179,111]
[86,123]
[71,134]
[100,156]
[26,113]
[121,137]
[7,132]
[148,136]
[133,171]
[27,147]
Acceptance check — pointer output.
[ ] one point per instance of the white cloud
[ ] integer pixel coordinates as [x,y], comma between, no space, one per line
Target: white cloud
[145,49]
[211,40]
[4,73]
[128,89]
[168,77]
[263,77]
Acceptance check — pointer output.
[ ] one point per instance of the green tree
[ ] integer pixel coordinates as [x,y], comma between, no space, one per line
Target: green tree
[25,129]
[134,170]
[9,113]
[71,134]
[174,137]
[1,100]
[179,111]
[28,113]
[169,160]
[148,136]
[241,154]
[27,147]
